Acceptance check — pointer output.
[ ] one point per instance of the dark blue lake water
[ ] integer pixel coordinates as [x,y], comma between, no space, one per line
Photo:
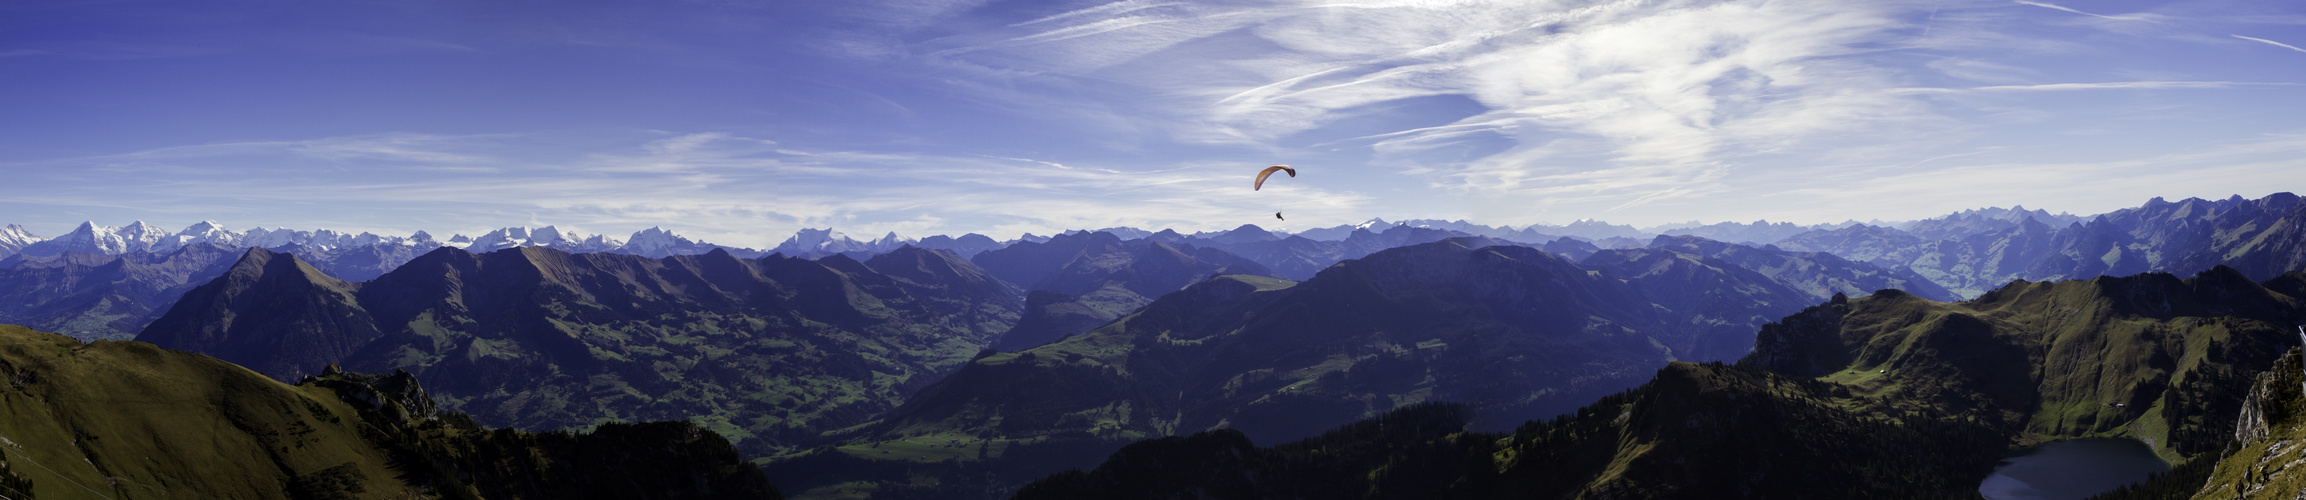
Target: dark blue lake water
[2072,470]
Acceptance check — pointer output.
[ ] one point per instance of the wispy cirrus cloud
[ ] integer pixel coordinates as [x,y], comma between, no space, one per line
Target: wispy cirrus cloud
[2270,42]
[2061,87]
[1642,94]
[1603,105]
[2123,17]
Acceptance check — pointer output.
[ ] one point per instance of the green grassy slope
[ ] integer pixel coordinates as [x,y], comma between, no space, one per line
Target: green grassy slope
[129,420]
[2150,357]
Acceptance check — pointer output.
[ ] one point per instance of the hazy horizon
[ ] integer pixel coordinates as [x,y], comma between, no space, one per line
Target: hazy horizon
[575,232]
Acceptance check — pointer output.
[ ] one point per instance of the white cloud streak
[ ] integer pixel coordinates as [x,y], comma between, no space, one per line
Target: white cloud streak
[2270,42]
[2060,87]
[2125,17]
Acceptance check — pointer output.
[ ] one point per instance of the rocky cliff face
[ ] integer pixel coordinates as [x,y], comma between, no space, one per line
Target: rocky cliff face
[2268,456]
[2254,425]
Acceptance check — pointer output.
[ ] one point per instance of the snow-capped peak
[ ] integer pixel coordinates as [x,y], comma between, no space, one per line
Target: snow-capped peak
[18,233]
[811,242]
[202,229]
[892,241]
[548,236]
[657,242]
[14,238]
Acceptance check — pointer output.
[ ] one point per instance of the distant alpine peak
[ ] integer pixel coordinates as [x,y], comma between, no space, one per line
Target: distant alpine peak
[13,232]
[92,238]
[655,236]
[1126,232]
[2017,213]
[14,238]
[206,227]
[657,242]
[812,242]
[549,237]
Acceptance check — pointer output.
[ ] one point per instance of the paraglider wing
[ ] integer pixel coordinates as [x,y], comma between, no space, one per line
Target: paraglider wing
[1268,173]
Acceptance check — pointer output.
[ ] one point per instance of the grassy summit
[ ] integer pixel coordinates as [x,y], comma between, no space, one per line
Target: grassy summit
[130,420]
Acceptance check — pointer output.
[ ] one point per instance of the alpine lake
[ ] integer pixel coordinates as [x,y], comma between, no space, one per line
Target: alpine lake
[2073,469]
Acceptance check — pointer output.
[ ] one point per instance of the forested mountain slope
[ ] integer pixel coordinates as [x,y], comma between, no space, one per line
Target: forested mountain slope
[1519,332]
[1875,397]
[768,351]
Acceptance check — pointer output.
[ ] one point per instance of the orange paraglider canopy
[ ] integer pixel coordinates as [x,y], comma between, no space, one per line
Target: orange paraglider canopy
[1268,173]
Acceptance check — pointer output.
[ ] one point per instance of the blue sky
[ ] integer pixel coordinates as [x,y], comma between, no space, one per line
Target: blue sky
[740,122]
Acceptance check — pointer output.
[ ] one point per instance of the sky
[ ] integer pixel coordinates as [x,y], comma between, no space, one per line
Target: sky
[742,122]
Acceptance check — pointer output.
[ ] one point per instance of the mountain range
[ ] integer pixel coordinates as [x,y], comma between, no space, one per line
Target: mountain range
[1966,252]
[1078,281]
[767,351]
[968,367]
[96,296]
[1884,396]
[1518,332]
[1970,255]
